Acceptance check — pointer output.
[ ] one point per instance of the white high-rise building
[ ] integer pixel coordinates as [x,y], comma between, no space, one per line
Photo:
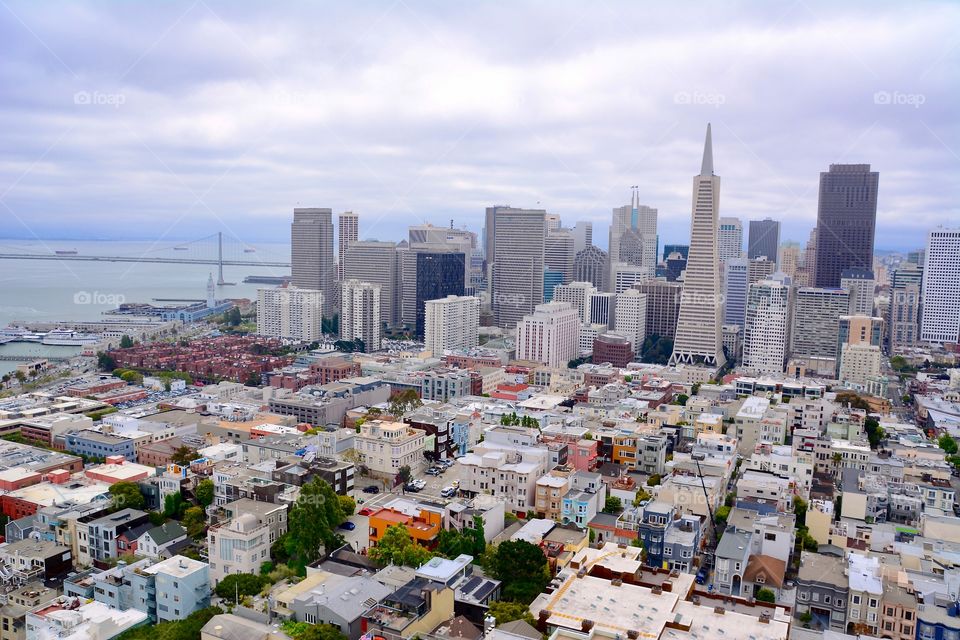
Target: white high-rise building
[348,231]
[624,276]
[550,335]
[630,319]
[765,333]
[940,320]
[730,239]
[290,313]
[735,285]
[699,339]
[360,316]
[860,284]
[633,237]
[578,294]
[558,253]
[451,323]
[311,254]
[517,243]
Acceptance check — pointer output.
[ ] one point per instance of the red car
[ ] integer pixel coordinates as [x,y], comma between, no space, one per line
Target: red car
[365,511]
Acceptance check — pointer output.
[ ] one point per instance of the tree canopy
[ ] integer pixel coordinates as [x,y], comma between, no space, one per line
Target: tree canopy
[242,584]
[948,444]
[397,547]
[126,495]
[313,522]
[522,569]
[204,492]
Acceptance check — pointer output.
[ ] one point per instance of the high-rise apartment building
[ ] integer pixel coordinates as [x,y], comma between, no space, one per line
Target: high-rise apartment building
[789,259]
[816,322]
[903,317]
[558,253]
[699,338]
[625,276]
[427,237]
[578,295]
[940,321]
[360,317]
[311,254]
[451,323]
[858,344]
[290,313]
[760,269]
[377,263]
[764,239]
[730,239]
[860,284]
[766,331]
[663,306]
[735,284]
[633,237]
[630,319]
[846,222]
[550,335]
[348,231]
[517,270]
[590,265]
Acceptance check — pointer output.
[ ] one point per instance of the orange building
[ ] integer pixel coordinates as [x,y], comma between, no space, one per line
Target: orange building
[424,527]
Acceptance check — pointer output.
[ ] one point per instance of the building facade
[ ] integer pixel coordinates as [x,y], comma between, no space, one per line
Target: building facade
[846,222]
[311,254]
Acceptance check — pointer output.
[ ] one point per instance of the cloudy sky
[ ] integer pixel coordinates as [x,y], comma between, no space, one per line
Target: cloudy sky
[177,119]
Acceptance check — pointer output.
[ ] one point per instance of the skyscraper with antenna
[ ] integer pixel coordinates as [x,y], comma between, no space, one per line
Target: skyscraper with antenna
[633,236]
[699,340]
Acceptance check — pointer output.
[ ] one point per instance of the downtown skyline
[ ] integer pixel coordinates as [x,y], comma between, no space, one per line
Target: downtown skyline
[260,121]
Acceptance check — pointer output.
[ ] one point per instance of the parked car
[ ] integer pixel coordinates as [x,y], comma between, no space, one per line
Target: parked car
[365,511]
[433,471]
[348,526]
[412,488]
[371,488]
[702,575]
[448,492]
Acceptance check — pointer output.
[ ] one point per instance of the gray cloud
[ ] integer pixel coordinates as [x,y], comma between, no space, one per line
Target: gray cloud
[137,120]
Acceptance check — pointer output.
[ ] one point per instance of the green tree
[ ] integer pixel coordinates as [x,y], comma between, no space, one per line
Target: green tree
[874,432]
[800,510]
[898,363]
[948,444]
[195,522]
[204,492]
[183,455]
[105,361]
[504,612]
[126,342]
[20,376]
[522,569]
[234,317]
[126,495]
[681,399]
[397,547]
[612,505]
[403,402]
[720,516]
[322,632]
[253,379]
[240,584]
[452,543]
[642,495]
[174,506]
[766,595]
[348,504]
[404,474]
[313,522]
[852,399]
[653,480]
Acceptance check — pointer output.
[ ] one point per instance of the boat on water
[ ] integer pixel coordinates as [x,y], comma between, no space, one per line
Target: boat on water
[66,252]
[67,338]
[18,334]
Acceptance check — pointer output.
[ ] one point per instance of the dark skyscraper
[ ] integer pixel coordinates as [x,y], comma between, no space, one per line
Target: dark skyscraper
[846,221]
[764,239]
[438,275]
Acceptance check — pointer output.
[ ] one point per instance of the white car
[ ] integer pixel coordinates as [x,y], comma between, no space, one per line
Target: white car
[448,492]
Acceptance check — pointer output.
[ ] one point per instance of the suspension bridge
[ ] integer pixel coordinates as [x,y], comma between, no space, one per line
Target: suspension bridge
[214,249]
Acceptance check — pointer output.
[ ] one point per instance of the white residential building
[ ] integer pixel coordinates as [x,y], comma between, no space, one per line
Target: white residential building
[729,239]
[238,546]
[577,294]
[507,471]
[290,313]
[451,323]
[765,332]
[630,319]
[360,313]
[860,284]
[551,335]
[384,447]
[940,321]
